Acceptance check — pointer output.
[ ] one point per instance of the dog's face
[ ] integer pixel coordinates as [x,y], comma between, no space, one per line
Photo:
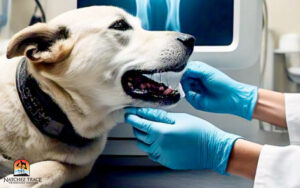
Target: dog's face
[103,55]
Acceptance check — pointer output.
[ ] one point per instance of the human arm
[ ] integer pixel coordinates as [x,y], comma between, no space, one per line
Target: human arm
[181,141]
[211,90]
[268,166]
[279,166]
[244,159]
[270,107]
[174,145]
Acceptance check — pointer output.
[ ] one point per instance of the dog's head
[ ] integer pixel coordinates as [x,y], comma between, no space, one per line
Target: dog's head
[104,56]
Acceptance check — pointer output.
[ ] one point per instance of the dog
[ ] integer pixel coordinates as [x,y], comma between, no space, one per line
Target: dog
[63,85]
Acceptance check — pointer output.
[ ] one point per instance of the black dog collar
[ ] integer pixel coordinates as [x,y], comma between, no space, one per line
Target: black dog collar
[43,112]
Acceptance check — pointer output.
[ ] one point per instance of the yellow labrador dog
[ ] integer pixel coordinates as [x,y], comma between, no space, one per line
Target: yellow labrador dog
[64,82]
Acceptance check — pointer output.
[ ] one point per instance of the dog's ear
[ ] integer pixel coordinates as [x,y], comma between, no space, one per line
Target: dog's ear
[41,43]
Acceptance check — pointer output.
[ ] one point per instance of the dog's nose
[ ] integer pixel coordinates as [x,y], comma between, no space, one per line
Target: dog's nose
[187,40]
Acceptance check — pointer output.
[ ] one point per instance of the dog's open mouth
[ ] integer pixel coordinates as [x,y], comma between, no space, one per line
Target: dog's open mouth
[153,86]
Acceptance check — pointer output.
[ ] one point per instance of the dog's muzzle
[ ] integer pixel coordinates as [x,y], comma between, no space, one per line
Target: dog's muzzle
[160,86]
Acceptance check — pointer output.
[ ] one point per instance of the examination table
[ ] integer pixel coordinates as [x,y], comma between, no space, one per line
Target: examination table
[140,172]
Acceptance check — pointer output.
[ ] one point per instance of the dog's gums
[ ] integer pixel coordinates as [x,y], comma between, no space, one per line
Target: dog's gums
[143,86]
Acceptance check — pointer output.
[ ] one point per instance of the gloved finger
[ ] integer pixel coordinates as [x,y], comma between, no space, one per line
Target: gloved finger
[139,123]
[196,69]
[142,146]
[143,137]
[205,73]
[153,157]
[151,149]
[151,114]
[192,84]
[155,149]
[194,97]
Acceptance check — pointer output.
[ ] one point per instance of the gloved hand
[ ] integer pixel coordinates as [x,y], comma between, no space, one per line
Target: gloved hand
[180,141]
[210,90]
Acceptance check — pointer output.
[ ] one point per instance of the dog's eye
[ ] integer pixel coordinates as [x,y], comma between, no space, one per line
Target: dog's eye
[121,25]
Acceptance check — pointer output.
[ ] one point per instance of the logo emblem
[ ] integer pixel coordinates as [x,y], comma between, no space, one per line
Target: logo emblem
[21,168]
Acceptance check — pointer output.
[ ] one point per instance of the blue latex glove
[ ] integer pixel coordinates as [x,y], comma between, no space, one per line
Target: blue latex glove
[180,141]
[210,90]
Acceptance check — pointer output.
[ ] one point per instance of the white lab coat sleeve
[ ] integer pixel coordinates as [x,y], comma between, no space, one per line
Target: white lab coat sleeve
[292,110]
[280,166]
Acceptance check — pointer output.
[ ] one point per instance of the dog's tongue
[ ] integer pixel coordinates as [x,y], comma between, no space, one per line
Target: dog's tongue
[168,91]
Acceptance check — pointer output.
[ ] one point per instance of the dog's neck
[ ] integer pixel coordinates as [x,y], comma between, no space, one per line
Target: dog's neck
[43,112]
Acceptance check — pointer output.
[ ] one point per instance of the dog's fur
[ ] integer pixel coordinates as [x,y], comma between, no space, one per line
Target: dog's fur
[79,62]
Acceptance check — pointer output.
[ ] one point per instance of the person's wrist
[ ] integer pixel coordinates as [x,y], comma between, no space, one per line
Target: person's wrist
[270,108]
[243,159]
[248,95]
[227,141]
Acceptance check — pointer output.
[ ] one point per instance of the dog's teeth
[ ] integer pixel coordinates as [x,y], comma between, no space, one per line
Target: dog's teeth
[164,78]
[130,85]
[148,76]
[174,79]
[181,92]
[157,77]
[138,92]
[171,79]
